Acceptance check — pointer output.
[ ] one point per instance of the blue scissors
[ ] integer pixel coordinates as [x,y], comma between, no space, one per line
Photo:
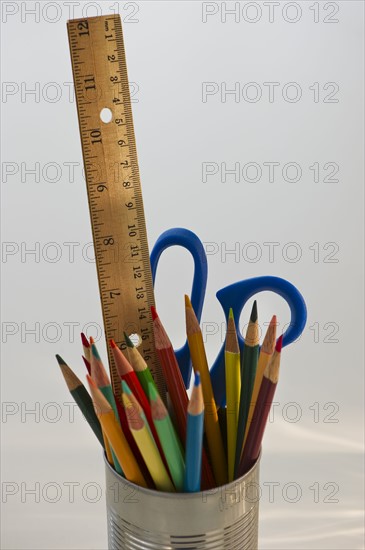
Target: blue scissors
[233,296]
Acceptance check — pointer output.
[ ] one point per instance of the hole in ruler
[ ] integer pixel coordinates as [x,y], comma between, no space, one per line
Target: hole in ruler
[106,115]
[136,339]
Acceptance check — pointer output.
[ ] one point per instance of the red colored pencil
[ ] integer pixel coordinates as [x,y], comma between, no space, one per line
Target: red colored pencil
[86,346]
[127,373]
[177,391]
[261,412]
[87,365]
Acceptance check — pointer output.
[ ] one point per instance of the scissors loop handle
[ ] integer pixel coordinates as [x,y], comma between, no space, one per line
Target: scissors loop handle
[187,239]
[233,296]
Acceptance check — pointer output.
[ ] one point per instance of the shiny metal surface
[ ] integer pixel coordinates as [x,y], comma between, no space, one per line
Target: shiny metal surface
[225,518]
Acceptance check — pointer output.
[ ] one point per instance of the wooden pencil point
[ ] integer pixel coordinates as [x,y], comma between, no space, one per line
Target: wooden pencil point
[95,352]
[268,345]
[87,364]
[231,338]
[70,377]
[192,323]
[60,360]
[100,402]
[121,362]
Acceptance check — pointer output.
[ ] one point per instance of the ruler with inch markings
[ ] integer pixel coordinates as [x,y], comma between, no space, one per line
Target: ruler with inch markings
[113,185]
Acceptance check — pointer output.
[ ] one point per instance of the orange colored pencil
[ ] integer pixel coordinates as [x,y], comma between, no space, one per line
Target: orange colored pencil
[116,436]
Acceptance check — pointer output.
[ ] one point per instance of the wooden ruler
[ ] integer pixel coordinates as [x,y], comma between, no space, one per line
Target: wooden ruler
[113,185]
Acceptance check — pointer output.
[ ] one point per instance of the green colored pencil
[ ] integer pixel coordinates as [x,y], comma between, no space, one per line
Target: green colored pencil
[139,365]
[82,398]
[168,438]
[250,358]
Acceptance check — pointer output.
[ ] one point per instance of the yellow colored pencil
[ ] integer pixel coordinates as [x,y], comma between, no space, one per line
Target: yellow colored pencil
[200,364]
[233,389]
[145,442]
[114,433]
[267,349]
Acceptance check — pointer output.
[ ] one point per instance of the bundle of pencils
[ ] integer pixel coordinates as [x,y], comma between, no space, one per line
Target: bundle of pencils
[189,445]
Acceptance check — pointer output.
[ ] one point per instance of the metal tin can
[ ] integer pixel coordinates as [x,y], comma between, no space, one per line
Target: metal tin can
[224,518]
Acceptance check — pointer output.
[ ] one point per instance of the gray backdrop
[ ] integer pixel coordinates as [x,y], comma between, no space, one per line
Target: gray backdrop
[249,127]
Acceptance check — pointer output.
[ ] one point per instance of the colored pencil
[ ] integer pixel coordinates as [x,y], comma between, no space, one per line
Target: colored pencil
[222,419]
[199,360]
[139,365]
[176,390]
[194,438]
[116,436]
[82,398]
[262,409]
[169,440]
[86,346]
[127,374]
[233,388]
[266,351]
[87,364]
[248,372]
[121,416]
[101,379]
[145,442]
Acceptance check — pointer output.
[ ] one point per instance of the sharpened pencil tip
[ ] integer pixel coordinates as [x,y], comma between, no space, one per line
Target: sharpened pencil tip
[60,360]
[273,321]
[91,340]
[230,315]
[154,313]
[279,344]
[253,317]
[112,344]
[95,352]
[126,389]
[128,341]
[85,341]
[187,302]
[87,364]
[91,381]
[197,378]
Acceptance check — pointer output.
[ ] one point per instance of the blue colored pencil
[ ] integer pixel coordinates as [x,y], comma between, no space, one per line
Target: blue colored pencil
[194,439]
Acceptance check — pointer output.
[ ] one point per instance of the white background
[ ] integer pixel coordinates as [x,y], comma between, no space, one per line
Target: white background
[315,441]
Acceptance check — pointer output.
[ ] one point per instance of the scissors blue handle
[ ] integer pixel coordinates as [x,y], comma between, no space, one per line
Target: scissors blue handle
[233,296]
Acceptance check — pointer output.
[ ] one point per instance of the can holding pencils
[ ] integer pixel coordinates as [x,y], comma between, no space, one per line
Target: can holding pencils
[222,518]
